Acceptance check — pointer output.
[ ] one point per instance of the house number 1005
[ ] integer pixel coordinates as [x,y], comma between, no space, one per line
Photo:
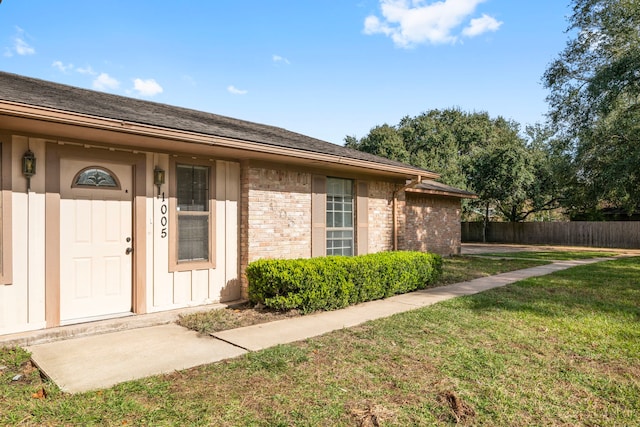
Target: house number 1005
[163,218]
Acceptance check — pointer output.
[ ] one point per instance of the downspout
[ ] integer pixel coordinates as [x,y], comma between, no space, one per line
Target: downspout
[411,184]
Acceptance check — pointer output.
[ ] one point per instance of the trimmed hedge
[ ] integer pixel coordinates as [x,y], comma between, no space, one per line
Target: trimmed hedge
[329,283]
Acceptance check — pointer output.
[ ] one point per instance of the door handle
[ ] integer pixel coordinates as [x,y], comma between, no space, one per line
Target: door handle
[128,251]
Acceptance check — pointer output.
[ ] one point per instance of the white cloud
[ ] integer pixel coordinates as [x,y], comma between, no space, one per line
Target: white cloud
[278,58]
[60,66]
[20,45]
[88,70]
[411,22]
[105,82]
[232,89]
[23,48]
[147,87]
[482,25]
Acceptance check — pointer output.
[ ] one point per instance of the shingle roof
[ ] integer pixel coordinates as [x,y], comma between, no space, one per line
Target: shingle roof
[41,93]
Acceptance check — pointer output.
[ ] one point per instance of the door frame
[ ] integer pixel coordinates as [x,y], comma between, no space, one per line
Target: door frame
[52,222]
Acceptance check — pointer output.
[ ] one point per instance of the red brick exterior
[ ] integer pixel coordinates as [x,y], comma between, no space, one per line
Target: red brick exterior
[381,216]
[275,217]
[433,224]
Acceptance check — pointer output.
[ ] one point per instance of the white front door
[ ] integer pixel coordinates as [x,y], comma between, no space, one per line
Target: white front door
[95,240]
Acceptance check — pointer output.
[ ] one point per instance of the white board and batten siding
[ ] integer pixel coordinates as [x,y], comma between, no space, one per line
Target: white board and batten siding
[22,302]
[169,290]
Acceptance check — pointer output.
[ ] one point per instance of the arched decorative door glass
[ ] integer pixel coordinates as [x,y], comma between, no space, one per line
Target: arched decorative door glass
[96,176]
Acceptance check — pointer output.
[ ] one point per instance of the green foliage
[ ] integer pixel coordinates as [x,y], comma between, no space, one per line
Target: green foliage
[382,141]
[595,103]
[329,283]
[488,156]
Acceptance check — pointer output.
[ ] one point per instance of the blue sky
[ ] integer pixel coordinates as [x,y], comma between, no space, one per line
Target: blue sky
[324,68]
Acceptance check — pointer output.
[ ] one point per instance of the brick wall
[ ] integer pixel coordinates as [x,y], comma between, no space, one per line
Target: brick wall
[275,218]
[381,216]
[432,224]
[275,215]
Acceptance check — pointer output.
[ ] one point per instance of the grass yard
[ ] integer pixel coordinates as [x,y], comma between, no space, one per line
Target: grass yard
[562,349]
[553,255]
[455,269]
[462,268]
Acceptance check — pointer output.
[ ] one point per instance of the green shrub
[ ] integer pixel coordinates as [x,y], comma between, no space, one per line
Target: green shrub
[329,283]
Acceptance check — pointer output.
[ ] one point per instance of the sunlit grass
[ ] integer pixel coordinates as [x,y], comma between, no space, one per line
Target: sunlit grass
[562,349]
[553,255]
[455,269]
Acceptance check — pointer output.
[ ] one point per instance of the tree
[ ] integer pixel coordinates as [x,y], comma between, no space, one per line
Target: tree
[475,152]
[595,102]
[384,141]
[505,176]
[440,140]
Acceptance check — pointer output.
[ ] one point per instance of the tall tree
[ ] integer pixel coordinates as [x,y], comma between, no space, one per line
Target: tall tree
[595,101]
[474,152]
[516,177]
[384,141]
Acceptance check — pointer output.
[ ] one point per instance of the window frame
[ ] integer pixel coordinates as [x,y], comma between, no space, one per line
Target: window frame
[352,227]
[319,215]
[189,265]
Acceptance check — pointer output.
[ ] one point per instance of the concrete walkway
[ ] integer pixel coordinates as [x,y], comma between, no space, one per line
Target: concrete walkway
[101,361]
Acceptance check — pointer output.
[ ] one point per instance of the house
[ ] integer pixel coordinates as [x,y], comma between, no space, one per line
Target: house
[112,206]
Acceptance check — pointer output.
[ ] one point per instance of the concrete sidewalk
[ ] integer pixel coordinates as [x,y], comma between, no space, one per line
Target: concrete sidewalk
[101,361]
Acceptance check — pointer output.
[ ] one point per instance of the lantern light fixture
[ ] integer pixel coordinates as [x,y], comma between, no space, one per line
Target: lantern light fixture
[158,178]
[28,166]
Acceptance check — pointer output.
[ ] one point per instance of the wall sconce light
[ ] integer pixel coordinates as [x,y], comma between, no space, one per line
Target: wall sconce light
[28,166]
[158,178]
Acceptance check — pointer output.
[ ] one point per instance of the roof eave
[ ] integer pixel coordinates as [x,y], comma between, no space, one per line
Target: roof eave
[70,118]
[459,195]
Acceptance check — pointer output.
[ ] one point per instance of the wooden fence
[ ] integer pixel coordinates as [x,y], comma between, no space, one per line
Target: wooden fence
[609,234]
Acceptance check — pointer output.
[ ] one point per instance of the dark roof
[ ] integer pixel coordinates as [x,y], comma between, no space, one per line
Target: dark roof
[434,187]
[41,93]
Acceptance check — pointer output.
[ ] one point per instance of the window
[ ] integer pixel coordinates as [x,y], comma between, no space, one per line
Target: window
[95,176]
[339,221]
[339,216]
[193,213]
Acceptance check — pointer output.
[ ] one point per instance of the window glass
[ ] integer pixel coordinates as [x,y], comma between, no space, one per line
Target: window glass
[96,177]
[339,216]
[194,238]
[339,242]
[192,187]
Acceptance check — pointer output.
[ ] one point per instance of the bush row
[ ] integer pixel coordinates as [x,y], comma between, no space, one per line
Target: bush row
[329,283]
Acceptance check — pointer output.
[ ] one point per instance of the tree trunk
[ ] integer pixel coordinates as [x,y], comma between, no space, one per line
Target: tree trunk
[486,224]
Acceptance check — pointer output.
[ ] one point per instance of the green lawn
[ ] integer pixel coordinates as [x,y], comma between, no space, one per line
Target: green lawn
[562,349]
[462,268]
[455,269]
[553,255]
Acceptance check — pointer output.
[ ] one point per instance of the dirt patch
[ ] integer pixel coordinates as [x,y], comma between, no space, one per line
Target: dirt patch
[371,415]
[237,316]
[461,411]
[252,315]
